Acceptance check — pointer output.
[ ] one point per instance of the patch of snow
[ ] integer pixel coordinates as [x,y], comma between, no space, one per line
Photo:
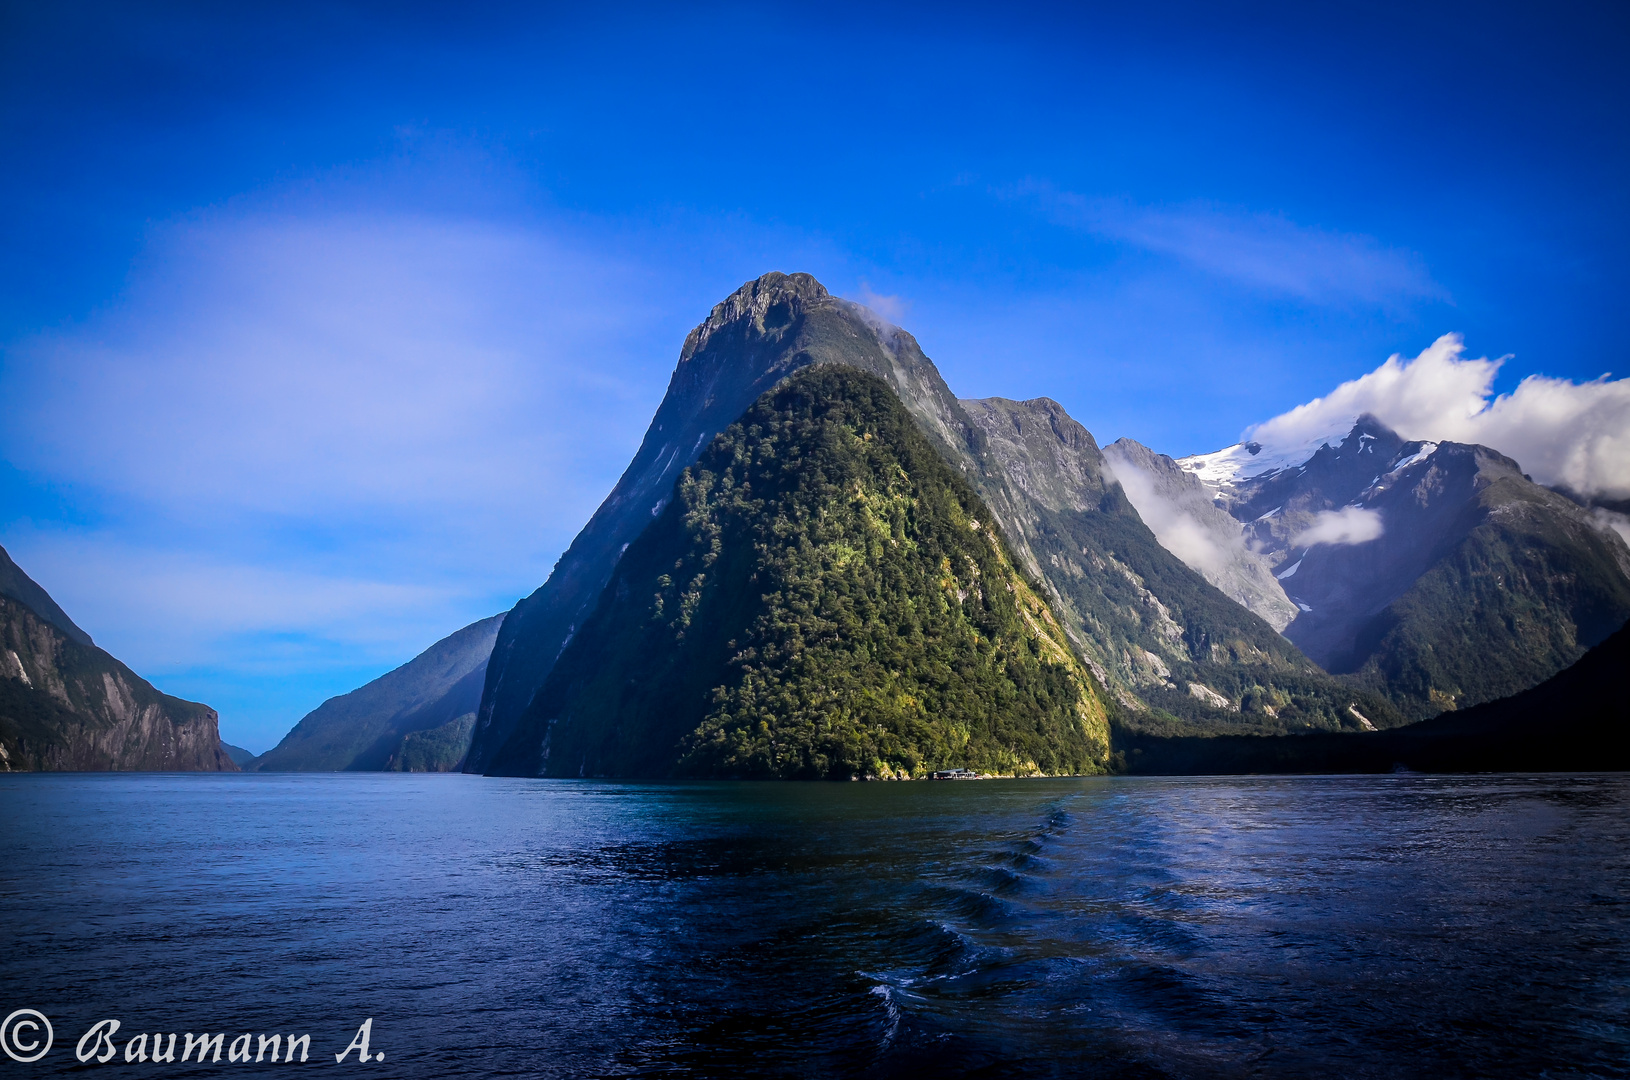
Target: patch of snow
[1241,462]
[1426,451]
[1295,566]
[1303,606]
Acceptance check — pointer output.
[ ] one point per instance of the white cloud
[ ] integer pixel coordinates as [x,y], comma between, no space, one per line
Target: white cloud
[1561,432]
[158,609]
[1349,525]
[892,309]
[305,442]
[1612,521]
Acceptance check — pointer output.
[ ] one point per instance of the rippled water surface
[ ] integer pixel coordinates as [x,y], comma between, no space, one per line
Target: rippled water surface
[1277,927]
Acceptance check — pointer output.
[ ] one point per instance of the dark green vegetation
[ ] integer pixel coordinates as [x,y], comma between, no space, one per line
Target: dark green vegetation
[757,336]
[65,705]
[1482,583]
[411,714]
[439,749]
[824,596]
[1518,599]
[1575,721]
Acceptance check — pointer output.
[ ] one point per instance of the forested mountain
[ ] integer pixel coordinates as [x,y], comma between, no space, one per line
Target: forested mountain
[824,597]
[1575,721]
[1162,639]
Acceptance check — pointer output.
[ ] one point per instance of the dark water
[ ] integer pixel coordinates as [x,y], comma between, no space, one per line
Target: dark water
[1277,927]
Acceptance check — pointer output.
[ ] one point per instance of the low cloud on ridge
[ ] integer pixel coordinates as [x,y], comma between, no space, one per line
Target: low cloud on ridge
[1562,433]
[1349,525]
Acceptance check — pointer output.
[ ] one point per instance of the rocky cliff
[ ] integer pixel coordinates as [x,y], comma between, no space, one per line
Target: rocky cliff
[1069,528]
[765,331]
[1185,517]
[1172,646]
[66,705]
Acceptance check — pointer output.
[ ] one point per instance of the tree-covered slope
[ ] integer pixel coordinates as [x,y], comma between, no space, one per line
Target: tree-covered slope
[1528,589]
[760,334]
[1467,582]
[824,596]
[1042,481]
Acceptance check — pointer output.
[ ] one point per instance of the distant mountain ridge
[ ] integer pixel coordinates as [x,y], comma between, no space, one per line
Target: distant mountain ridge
[415,718]
[66,705]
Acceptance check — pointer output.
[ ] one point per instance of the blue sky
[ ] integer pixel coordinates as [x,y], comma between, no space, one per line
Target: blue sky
[324,327]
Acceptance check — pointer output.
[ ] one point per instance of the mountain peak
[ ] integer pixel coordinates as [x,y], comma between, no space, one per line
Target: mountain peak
[771,303]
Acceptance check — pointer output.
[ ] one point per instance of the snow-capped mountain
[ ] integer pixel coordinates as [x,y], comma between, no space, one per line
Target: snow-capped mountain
[1435,571]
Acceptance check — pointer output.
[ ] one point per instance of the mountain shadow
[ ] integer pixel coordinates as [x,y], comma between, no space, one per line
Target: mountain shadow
[1575,721]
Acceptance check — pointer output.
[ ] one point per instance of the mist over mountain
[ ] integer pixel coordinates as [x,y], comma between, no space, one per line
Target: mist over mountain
[66,705]
[1188,522]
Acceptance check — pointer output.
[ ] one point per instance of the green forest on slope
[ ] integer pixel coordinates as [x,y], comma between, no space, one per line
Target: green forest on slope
[823,597]
[1519,599]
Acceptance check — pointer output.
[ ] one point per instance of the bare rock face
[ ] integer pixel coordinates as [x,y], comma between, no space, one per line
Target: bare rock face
[65,706]
[1189,523]
[1151,627]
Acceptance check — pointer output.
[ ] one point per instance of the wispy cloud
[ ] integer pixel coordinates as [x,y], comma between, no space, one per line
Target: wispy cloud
[1261,251]
[325,438]
[892,309]
[341,367]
